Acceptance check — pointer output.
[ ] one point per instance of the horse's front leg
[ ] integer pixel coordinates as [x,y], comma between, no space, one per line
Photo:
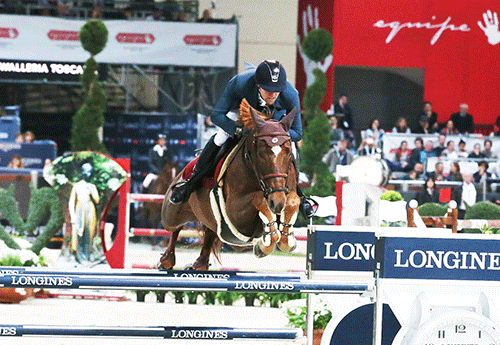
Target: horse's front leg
[167,260]
[271,235]
[287,242]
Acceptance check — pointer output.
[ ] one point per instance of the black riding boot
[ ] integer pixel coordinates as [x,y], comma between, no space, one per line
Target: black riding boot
[307,206]
[206,162]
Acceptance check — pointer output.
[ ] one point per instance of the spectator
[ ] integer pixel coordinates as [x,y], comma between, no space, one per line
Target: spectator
[182,17]
[343,112]
[412,175]
[438,173]
[403,155]
[482,172]
[62,10]
[156,15]
[338,155]
[128,13]
[416,155]
[29,137]
[463,121]
[96,12]
[466,195]
[450,151]
[429,194]
[487,153]
[336,133]
[16,162]
[419,169]
[462,152]
[429,149]
[369,147]
[449,129]
[430,117]
[206,17]
[476,152]
[423,125]
[441,147]
[375,132]
[401,126]
[19,138]
[454,174]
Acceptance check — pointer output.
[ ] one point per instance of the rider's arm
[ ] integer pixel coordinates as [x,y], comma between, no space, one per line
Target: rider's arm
[293,101]
[151,163]
[229,100]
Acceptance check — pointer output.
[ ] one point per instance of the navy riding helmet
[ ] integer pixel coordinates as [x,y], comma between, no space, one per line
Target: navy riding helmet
[271,76]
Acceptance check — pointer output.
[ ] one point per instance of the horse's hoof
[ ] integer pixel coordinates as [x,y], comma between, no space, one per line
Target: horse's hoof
[286,247]
[258,252]
[160,267]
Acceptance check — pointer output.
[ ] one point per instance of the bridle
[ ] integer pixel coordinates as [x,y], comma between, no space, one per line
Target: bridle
[270,136]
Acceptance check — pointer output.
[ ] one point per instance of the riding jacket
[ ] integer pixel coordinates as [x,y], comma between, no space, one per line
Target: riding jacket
[244,86]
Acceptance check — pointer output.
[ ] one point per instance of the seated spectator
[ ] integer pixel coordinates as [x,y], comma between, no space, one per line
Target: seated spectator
[29,137]
[369,147]
[462,152]
[206,16]
[96,12]
[336,133]
[343,112]
[438,173]
[412,175]
[441,145]
[19,138]
[466,195]
[476,152]
[181,17]
[402,155]
[450,151]
[463,121]
[430,117]
[401,126]
[449,129]
[482,172]
[417,154]
[429,194]
[16,162]
[454,174]
[375,132]
[338,155]
[423,125]
[419,170]
[487,153]
[156,15]
[429,149]
[128,13]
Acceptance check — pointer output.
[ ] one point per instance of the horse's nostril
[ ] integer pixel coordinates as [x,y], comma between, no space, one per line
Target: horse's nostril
[271,204]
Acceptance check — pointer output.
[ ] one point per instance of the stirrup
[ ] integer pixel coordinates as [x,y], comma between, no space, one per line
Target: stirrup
[308,206]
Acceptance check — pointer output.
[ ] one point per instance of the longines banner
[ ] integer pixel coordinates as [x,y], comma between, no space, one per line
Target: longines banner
[136,42]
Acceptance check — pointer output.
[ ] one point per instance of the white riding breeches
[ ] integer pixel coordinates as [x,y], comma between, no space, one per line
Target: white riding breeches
[221,136]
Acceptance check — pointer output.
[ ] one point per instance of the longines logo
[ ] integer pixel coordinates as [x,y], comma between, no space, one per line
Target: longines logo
[349,251]
[451,260]
[203,275]
[264,286]
[40,280]
[198,334]
[7,331]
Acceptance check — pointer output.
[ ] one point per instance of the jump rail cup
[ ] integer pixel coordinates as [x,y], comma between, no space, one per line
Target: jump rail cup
[206,333]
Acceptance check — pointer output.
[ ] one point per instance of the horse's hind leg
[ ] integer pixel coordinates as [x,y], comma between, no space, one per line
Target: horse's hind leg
[287,242]
[210,243]
[167,260]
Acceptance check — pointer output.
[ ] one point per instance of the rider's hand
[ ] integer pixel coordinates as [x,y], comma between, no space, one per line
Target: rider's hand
[241,131]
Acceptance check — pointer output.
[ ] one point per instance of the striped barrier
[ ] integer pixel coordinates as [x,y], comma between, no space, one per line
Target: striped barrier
[205,333]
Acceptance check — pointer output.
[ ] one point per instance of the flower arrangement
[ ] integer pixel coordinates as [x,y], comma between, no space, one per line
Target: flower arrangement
[296,311]
[19,257]
[391,195]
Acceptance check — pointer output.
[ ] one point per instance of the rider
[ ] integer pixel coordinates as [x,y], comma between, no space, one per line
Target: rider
[159,155]
[266,89]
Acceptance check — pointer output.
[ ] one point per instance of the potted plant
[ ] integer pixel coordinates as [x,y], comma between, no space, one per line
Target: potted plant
[17,257]
[392,209]
[296,312]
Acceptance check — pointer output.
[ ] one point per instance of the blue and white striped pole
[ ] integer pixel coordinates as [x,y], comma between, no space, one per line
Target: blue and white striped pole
[205,333]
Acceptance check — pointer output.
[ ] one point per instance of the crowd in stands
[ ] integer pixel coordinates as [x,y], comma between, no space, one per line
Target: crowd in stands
[149,10]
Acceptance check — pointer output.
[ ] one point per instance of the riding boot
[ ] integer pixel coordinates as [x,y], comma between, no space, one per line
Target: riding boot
[307,206]
[206,162]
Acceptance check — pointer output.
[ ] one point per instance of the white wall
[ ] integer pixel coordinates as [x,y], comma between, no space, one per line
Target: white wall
[268,30]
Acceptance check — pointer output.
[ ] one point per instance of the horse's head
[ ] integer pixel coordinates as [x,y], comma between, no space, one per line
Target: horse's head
[271,157]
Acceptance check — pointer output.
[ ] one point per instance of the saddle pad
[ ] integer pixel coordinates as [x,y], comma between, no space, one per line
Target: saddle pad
[207,181]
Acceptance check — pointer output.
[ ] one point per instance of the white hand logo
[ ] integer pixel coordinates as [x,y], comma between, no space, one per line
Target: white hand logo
[310,23]
[490,27]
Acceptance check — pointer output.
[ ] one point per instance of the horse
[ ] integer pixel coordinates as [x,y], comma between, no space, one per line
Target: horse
[151,210]
[257,194]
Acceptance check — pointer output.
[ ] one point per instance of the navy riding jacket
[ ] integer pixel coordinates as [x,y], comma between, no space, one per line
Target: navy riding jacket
[244,86]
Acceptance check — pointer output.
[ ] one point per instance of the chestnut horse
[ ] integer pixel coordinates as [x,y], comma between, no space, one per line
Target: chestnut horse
[258,190]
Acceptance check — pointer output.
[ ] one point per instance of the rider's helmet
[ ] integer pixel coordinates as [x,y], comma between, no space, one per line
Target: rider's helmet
[271,76]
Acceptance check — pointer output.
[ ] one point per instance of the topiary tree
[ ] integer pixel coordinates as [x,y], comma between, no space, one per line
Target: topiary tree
[317,45]
[89,119]
[432,210]
[483,210]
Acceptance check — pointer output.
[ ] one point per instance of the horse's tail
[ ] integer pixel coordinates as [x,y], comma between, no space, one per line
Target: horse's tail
[216,246]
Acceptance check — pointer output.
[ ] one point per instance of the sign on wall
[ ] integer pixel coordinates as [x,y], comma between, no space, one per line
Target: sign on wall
[129,42]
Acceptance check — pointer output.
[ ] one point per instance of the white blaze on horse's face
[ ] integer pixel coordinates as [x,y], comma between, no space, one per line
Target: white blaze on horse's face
[276,150]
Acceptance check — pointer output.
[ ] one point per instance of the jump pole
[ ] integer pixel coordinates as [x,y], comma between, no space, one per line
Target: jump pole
[206,333]
[174,283]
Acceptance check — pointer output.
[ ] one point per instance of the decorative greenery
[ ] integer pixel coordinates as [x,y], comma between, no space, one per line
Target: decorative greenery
[19,257]
[314,95]
[43,201]
[432,209]
[318,44]
[391,195]
[296,312]
[483,210]
[89,119]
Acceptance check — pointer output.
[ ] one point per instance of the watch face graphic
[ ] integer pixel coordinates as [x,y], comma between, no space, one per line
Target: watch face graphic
[458,328]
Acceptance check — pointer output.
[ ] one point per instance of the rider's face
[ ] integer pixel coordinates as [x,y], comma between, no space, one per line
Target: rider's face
[269,97]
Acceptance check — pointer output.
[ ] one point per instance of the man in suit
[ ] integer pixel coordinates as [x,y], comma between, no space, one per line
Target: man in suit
[463,121]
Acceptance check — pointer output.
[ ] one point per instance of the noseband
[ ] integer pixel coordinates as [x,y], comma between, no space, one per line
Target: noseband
[270,138]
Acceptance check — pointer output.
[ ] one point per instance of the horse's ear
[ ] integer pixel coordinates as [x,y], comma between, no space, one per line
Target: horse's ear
[257,120]
[287,121]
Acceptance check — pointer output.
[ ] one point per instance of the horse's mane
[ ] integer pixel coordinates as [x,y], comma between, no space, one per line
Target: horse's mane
[244,116]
